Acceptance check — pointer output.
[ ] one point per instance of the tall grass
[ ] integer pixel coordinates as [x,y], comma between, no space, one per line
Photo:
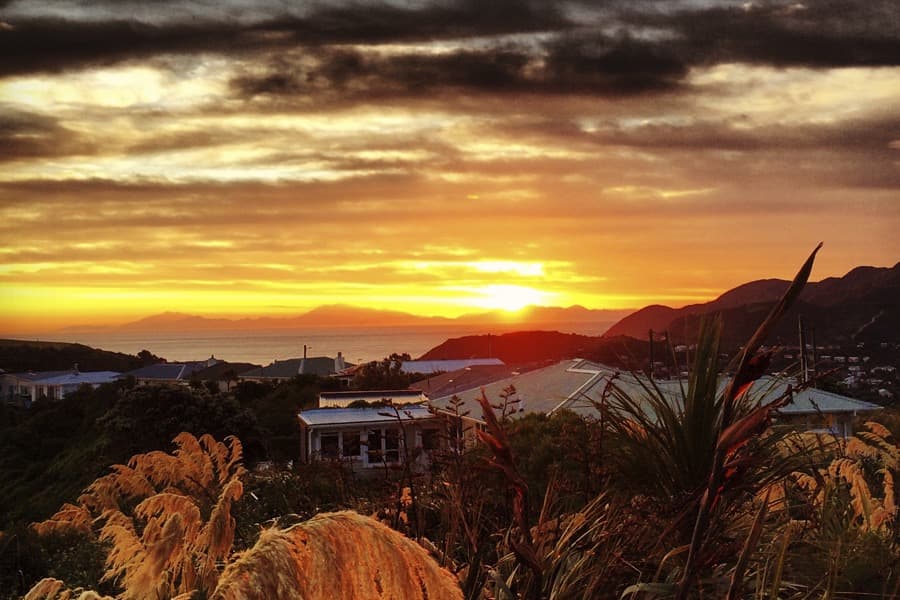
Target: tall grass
[336,555]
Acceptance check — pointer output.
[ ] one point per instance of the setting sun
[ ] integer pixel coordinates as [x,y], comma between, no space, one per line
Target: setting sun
[510,298]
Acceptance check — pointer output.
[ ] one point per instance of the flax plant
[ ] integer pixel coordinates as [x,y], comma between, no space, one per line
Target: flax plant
[733,454]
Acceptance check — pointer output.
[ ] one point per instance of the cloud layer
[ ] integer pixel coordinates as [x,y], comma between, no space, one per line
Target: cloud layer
[255,157]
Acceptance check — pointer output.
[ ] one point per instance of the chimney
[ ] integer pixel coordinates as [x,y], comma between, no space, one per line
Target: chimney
[339,364]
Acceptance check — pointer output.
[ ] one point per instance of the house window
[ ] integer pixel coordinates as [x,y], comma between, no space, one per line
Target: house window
[430,439]
[383,445]
[350,444]
[330,445]
[391,445]
[374,445]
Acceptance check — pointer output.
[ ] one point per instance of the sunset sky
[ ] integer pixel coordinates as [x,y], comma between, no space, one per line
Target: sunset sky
[262,158]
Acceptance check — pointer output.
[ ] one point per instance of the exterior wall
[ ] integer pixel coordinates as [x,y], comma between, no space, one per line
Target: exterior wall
[19,392]
[365,446]
[838,424]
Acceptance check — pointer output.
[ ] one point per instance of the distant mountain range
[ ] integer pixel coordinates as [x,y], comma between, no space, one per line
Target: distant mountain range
[340,316]
[861,306]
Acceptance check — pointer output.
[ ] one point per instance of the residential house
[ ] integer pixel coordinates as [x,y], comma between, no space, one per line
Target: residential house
[282,370]
[24,389]
[470,378]
[224,374]
[577,385]
[370,437]
[429,367]
[169,373]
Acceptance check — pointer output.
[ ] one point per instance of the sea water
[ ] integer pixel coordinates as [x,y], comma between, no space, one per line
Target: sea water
[262,346]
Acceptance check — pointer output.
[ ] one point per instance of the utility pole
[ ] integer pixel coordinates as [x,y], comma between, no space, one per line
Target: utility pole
[803,365]
[815,356]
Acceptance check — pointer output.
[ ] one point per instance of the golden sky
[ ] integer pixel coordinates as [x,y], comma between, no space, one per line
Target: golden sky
[438,158]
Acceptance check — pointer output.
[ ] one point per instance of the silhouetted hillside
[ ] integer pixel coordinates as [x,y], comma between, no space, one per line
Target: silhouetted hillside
[21,355]
[531,346]
[863,305]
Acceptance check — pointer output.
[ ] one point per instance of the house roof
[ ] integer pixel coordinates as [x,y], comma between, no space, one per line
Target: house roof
[78,378]
[371,394]
[285,369]
[168,371]
[542,390]
[572,384]
[813,400]
[218,370]
[324,417]
[468,378]
[442,366]
[36,375]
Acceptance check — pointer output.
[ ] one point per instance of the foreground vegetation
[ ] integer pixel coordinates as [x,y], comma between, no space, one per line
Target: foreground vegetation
[702,497]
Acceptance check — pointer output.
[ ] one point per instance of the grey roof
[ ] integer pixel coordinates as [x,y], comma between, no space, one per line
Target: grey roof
[572,384]
[167,371]
[376,394]
[218,370]
[562,385]
[438,366]
[813,400]
[36,375]
[321,417]
[446,384]
[285,369]
[78,378]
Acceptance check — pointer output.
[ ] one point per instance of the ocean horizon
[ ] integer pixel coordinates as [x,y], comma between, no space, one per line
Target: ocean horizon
[264,346]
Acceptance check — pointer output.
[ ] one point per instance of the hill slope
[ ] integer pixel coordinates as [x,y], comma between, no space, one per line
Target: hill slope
[533,346]
[862,305]
[22,355]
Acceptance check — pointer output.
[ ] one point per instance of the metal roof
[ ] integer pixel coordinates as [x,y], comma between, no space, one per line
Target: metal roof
[573,384]
[167,371]
[322,417]
[541,390]
[78,378]
[35,375]
[437,366]
[285,369]
[379,394]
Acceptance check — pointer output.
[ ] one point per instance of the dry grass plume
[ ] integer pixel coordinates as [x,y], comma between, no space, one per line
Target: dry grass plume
[336,555]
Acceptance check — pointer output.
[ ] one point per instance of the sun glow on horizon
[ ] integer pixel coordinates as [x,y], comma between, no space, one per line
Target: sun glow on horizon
[510,298]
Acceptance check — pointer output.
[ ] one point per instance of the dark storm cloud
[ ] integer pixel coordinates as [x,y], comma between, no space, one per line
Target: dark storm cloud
[25,135]
[573,65]
[53,44]
[816,34]
[659,41]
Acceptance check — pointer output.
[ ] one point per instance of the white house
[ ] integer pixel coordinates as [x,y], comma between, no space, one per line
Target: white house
[27,388]
[370,437]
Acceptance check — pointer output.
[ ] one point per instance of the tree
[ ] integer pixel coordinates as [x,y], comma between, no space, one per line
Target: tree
[385,374]
[148,417]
